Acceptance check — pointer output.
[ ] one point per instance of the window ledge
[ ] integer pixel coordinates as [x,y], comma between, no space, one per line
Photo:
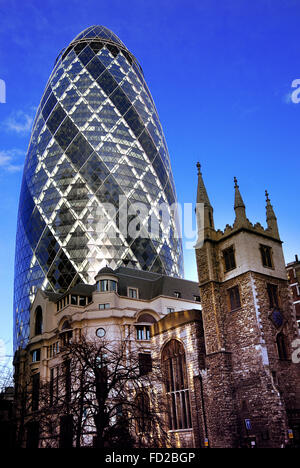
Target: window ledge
[180,430]
[230,270]
[34,363]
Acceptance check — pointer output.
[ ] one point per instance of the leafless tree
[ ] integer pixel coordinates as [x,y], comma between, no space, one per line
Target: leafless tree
[6,376]
[103,395]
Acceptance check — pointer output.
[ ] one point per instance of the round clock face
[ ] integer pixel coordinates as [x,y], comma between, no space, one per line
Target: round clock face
[100,332]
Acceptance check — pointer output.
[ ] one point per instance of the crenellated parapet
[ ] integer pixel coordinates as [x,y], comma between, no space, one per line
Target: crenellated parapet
[241,221]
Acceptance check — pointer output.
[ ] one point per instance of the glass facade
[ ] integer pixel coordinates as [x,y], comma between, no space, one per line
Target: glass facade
[96,139]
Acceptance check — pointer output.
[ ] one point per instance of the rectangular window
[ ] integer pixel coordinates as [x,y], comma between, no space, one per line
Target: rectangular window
[66,431]
[104,285]
[67,375]
[145,363]
[33,435]
[52,350]
[54,376]
[73,299]
[66,338]
[170,310]
[35,391]
[281,347]
[143,332]
[51,389]
[36,355]
[104,306]
[133,293]
[229,258]
[234,298]
[266,256]
[82,301]
[196,298]
[177,294]
[273,295]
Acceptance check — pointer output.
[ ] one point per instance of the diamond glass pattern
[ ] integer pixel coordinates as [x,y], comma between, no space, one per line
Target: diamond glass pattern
[96,137]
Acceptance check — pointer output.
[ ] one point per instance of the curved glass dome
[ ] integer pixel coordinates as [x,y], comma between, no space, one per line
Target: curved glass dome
[99,32]
[96,139]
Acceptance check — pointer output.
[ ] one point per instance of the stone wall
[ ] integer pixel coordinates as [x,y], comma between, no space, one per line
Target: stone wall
[187,328]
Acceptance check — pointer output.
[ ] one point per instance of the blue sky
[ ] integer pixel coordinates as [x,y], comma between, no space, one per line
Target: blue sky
[220,74]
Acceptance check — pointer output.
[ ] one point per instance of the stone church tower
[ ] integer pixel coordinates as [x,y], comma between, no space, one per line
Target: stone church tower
[251,384]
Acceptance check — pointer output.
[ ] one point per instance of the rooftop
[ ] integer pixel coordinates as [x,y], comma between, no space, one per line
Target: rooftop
[150,285]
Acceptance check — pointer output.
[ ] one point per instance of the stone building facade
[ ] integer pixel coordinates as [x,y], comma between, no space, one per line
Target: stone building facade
[122,306]
[252,385]
[224,346]
[293,272]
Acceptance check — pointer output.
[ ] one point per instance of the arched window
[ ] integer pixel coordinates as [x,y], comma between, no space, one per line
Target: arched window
[143,331]
[146,318]
[281,346]
[176,385]
[38,328]
[66,333]
[66,325]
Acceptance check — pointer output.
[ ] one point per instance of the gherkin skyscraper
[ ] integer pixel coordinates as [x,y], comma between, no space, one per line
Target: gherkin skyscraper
[96,140]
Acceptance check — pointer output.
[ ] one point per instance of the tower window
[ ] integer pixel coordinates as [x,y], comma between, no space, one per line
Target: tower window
[176,385]
[229,258]
[177,294]
[281,346]
[266,256]
[273,295]
[234,298]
